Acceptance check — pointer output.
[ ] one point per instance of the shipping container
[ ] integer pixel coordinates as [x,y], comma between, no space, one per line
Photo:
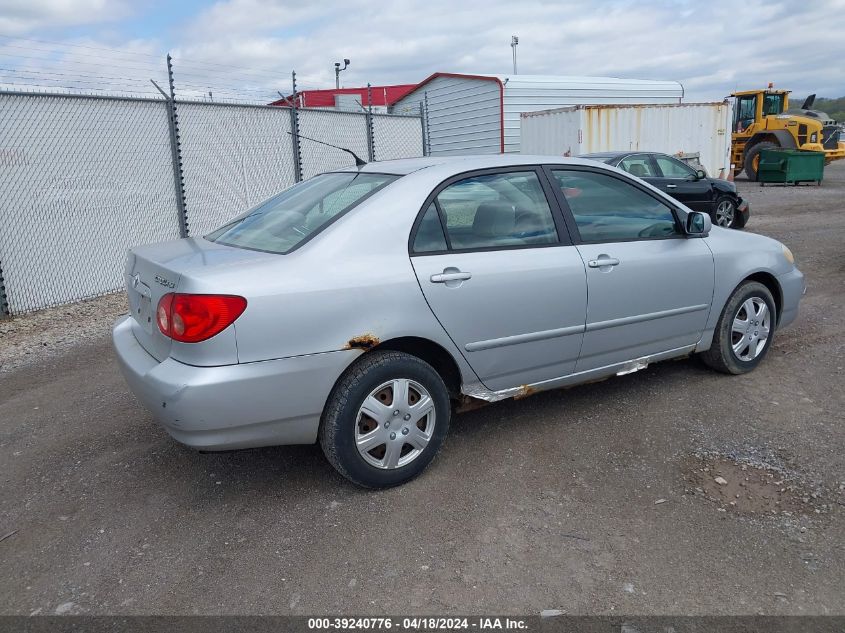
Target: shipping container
[480,114]
[679,129]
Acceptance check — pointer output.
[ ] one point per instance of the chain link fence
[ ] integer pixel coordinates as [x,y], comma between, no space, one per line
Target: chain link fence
[350,131]
[84,178]
[81,180]
[233,157]
[397,136]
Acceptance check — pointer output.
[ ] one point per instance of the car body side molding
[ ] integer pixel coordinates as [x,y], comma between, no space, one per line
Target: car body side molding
[639,318]
[523,338]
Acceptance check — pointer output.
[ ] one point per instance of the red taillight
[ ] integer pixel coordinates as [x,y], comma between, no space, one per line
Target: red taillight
[194,318]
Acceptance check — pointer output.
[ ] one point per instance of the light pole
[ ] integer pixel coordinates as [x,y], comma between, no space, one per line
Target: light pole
[514,44]
[337,70]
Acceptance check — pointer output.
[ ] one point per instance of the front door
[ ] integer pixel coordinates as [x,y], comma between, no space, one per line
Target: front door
[650,287]
[680,181]
[503,278]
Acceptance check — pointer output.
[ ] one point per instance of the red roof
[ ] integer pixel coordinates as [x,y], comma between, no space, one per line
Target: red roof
[382,96]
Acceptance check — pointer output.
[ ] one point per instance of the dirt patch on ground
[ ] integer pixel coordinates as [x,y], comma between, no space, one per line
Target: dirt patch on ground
[31,338]
[750,487]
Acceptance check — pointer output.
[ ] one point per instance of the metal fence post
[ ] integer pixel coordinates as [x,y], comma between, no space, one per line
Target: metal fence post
[294,127]
[422,129]
[4,300]
[426,128]
[176,153]
[371,143]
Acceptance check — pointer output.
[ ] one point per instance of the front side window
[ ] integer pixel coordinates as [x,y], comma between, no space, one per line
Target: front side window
[673,168]
[280,224]
[497,210]
[608,209]
[639,166]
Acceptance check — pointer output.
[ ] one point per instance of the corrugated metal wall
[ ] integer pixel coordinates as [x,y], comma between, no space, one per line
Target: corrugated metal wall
[551,132]
[702,128]
[463,115]
[532,93]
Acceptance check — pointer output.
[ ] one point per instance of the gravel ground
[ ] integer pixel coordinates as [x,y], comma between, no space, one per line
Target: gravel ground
[46,334]
[602,499]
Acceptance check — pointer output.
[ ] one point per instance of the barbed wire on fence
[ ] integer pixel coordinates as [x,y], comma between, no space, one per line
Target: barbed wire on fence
[36,64]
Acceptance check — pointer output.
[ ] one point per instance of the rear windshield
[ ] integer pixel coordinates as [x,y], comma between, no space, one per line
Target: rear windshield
[281,223]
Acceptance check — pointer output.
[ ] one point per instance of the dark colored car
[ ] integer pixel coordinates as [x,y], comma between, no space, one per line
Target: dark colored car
[693,187]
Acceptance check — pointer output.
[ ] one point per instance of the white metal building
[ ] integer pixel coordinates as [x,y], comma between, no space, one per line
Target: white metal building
[702,129]
[480,114]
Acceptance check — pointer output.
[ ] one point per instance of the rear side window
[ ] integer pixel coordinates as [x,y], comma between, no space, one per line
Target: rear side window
[608,209]
[497,210]
[430,238]
[639,166]
[281,223]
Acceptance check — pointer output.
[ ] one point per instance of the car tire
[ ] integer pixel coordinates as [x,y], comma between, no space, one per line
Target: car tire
[753,153]
[376,404]
[739,343]
[726,214]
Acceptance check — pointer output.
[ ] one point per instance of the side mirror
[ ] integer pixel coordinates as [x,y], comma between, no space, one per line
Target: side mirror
[698,224]
[701,174]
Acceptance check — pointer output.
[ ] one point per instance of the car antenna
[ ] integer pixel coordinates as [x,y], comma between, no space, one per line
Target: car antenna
[359,162]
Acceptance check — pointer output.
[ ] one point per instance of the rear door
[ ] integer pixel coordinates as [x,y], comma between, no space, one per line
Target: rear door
[503,277]
[650,286]
[680,181]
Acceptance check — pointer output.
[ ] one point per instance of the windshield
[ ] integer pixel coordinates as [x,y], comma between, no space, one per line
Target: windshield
[281,223]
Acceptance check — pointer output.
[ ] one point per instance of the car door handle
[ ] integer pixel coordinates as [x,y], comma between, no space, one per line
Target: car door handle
[602,262]
[442,278]
[671,186]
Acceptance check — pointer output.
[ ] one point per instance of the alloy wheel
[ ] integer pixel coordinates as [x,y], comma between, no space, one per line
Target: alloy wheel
[725,213]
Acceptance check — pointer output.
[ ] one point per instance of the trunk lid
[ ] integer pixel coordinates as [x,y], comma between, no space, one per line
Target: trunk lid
[154,270]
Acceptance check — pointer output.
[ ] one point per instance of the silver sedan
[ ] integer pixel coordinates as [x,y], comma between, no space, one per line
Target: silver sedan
[361,308]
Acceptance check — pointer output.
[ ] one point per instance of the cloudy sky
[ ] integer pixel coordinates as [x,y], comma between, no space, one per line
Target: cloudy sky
[248,47]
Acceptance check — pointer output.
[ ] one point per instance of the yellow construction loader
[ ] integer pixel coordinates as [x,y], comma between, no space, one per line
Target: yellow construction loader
[762,120]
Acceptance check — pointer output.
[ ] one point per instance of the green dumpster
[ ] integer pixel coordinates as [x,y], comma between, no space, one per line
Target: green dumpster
[790,166]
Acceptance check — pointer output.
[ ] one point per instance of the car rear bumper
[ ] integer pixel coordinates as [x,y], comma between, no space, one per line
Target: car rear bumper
[232,406]
[793,287]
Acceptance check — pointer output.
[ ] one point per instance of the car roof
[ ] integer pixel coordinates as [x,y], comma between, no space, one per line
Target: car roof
[595,155]
[402,167]
[605,156]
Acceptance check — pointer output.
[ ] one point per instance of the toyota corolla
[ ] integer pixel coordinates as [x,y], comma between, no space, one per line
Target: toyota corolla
[360,308]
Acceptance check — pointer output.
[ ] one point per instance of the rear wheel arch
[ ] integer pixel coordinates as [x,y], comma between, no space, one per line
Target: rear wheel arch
[433,354]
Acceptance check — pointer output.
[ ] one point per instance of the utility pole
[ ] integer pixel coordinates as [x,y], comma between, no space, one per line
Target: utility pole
[337,71]
[514,44]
